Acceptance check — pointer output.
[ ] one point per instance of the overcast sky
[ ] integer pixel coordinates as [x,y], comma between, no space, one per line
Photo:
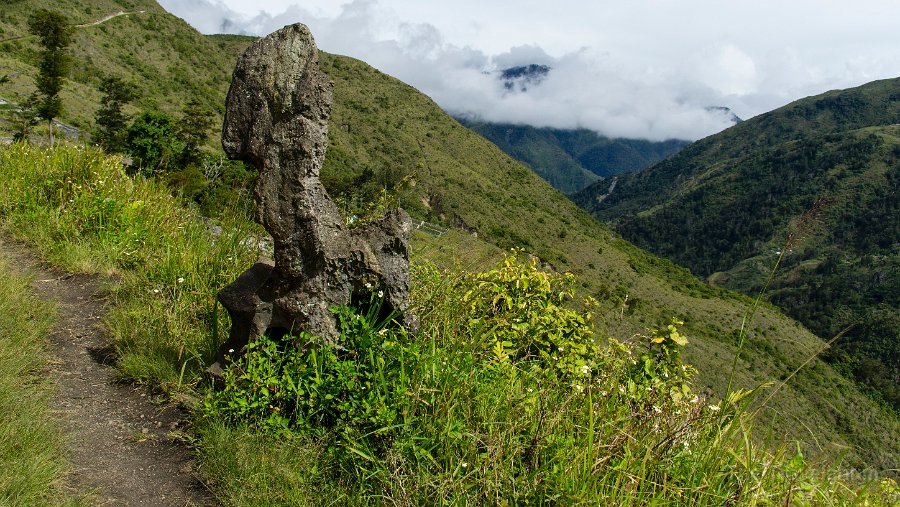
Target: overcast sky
[625,68]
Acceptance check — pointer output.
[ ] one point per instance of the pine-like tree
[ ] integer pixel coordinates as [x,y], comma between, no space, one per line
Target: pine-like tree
[55,35]
[194,126]
[110,120]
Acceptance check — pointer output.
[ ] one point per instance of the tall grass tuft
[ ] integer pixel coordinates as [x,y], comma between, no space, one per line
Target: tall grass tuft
[32,462]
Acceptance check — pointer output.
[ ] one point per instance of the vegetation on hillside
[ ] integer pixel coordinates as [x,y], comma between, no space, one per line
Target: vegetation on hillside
[167,59]
[505,396]
[812,180]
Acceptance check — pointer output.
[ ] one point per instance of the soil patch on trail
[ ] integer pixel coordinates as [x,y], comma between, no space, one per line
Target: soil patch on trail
[119,435]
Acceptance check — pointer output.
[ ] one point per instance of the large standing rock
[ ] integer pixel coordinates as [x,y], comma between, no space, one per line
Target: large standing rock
[276,119]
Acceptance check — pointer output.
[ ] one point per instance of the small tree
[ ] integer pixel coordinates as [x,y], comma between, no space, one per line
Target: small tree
[55,34]
[153,142]
[23,121]
[194,127]
[110,121]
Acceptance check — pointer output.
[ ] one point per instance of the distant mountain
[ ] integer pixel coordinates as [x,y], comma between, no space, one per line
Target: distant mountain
[570,160]
[726,112]
[817,181]
[521,77]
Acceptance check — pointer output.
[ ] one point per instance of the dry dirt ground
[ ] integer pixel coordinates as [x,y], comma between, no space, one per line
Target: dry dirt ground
[119,435]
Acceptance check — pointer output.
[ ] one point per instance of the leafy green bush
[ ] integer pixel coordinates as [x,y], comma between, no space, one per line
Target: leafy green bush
[153,141]
[298,385]
[659,375]
[522,313]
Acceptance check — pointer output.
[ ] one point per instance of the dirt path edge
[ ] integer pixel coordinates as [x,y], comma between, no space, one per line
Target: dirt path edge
[119,435]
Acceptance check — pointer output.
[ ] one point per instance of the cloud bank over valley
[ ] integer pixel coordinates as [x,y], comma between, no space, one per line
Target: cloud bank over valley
[651,69]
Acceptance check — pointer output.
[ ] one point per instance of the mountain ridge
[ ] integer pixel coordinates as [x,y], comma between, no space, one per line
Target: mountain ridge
[571,159]
[814,185]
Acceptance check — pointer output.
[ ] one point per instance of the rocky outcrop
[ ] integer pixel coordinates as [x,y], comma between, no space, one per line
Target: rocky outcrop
[276,119]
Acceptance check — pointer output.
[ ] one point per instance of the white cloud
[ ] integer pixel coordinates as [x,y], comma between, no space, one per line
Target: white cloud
[643,69]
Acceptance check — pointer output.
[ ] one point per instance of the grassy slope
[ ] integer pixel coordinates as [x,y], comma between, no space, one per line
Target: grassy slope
[733,198]
[462,180]
[163,56]
[478,431]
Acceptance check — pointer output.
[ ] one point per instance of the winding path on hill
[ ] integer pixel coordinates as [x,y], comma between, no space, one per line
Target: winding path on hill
[107,18]
[104,19]
[120,437]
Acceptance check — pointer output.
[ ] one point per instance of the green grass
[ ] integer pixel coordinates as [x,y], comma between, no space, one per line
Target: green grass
[83,213]
[32,449]
[472,431]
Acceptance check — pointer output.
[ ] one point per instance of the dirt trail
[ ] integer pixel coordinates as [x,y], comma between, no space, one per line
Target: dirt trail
[108,17]
[118,434]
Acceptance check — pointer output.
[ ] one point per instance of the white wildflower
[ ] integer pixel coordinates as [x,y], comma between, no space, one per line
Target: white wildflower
[714,408]
[180,279]
[381,293]
[585,370]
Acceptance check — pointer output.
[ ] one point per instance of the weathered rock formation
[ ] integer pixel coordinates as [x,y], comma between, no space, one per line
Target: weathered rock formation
[276,119]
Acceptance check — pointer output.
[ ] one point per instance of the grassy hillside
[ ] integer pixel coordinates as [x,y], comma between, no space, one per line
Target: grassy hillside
[168,61]
[813,185]
[571,160]
[440,417]
[386,134]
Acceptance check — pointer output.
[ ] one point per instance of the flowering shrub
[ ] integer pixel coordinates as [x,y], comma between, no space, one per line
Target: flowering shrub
[522,313]
[659,372]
